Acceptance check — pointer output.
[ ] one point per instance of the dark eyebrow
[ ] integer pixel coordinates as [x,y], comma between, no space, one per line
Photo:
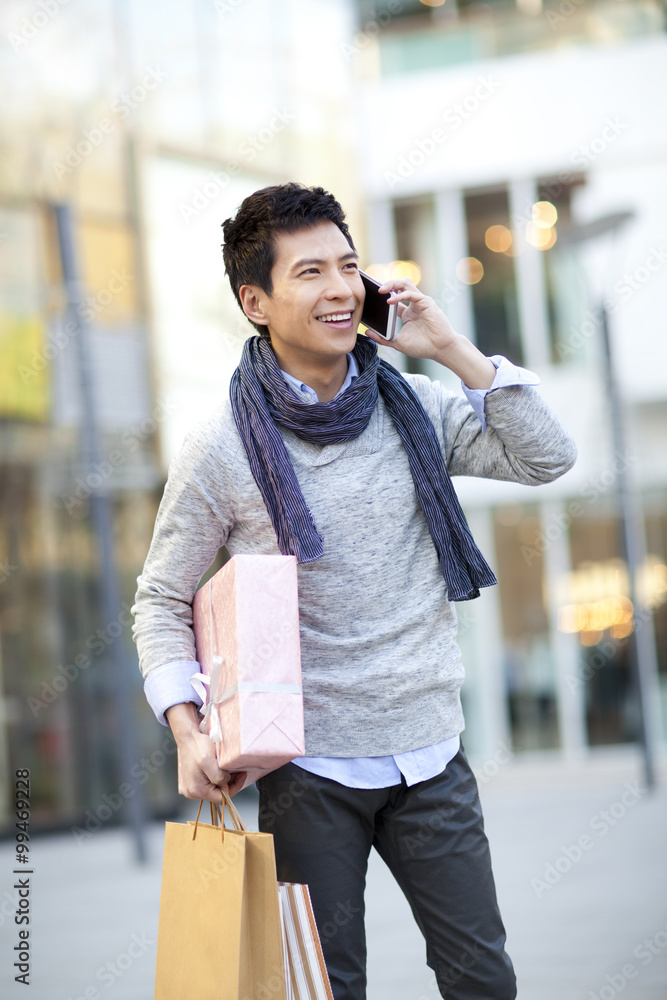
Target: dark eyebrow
[316,260]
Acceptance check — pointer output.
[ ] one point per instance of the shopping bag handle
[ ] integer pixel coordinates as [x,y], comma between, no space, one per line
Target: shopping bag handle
[218,815]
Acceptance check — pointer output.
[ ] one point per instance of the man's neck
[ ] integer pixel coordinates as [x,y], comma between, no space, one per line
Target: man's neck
[325,378]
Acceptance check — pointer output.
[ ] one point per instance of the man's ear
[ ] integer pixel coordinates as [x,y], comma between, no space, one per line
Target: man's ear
[251,299]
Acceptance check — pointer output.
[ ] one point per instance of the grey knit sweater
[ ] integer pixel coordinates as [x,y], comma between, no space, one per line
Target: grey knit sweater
[382,670]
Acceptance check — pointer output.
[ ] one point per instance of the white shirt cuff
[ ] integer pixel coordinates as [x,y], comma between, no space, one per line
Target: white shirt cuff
[169,685]
[506,374]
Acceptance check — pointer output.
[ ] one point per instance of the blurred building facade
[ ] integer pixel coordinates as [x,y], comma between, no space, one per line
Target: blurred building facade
[152,122]
[504,125]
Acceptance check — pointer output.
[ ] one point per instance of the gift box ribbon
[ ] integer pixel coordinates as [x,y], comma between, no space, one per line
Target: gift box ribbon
[204,685]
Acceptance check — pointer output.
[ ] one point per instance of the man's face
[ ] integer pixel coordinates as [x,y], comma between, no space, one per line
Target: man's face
[318,296]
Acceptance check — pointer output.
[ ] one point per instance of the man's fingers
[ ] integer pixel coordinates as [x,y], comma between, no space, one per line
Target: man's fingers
[210,792]
[199,774]
[236,782]
[398,284]
[216,775]
[199,787]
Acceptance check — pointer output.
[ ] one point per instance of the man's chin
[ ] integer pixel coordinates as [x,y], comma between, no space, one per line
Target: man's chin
[330,344]
[342,340]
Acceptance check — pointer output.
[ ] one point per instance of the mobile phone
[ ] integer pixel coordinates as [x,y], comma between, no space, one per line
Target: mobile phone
[378,315]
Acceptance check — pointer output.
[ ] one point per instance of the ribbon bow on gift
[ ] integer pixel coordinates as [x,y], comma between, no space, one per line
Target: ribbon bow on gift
[204,685]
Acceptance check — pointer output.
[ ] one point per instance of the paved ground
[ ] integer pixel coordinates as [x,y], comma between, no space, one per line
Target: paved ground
[580,855]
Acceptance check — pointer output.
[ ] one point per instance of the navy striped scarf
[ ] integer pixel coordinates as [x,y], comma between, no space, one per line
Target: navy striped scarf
[262,401]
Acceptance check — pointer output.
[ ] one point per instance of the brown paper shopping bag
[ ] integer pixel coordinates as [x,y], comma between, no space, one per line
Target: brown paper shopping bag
[219,934]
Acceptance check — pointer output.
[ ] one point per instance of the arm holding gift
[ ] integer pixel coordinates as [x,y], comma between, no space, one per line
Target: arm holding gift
[189,531]
[245,620]
[199,775]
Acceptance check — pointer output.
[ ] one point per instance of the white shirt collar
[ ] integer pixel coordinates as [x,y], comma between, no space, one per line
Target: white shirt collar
[308,395]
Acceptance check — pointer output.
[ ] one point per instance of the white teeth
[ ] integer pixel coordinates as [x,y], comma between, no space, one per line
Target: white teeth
[335,317]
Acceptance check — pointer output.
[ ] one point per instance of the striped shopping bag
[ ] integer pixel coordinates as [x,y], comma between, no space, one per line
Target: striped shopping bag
[305,972]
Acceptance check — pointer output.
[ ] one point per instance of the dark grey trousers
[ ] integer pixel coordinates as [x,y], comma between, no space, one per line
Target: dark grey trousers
[432,838]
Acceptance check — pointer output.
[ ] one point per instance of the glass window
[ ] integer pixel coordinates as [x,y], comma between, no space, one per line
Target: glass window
[416,239]
[571,327]
[106,251]
[414,222]
[491,273]
[597,610]
[24,364]
[529,669]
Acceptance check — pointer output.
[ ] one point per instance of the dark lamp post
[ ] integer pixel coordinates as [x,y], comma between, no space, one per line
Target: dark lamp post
[643,657]
[102,524]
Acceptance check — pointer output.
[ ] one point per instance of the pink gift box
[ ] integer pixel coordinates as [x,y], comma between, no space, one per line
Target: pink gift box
[246,623]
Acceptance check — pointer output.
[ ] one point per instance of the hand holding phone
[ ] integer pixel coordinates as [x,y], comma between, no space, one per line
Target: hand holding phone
[377,315]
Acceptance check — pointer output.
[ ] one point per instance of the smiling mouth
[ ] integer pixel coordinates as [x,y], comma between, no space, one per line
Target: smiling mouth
[339,317]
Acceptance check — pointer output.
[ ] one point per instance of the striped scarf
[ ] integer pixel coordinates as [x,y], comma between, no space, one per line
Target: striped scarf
[262,401]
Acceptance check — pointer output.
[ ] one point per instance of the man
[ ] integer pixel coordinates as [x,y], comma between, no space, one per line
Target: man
[324,452]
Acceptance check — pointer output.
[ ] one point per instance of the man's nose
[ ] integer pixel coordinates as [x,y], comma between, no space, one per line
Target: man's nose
[338,287]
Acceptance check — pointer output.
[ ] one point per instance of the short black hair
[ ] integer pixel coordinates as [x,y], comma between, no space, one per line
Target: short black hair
[249,250]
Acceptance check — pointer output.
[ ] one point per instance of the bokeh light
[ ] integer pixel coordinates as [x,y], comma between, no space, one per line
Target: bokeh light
[542,239]
[498,239]
[381,272]
[406,269]
[469,270]
[544,214]
[396,269]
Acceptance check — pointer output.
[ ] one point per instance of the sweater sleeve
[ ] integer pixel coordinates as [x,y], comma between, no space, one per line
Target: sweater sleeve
[193,523]
[524,441]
